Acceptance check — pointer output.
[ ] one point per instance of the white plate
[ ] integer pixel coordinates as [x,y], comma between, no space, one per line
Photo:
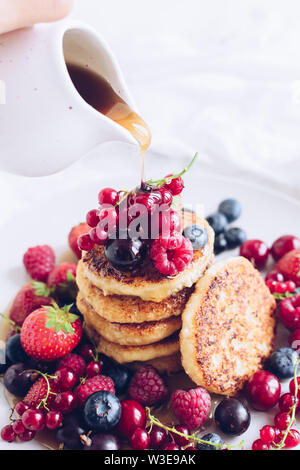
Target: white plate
[266,215]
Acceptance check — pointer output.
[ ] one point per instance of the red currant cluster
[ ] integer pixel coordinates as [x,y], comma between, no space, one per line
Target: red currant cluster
[144,214]
[282,435]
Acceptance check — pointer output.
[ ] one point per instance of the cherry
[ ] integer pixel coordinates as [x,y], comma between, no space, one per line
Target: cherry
[274,276]
[133,416]
[93,368]
[171,446]
[280,287]
[267,434]
[290,312]
[255,251]
[92,218]
[54,419]
[292,439]
[175,185]
[87,351]
[85,242]
[65,379]
[140,439]
[292,387]
[287,401]
[108,196]
[283,245]
[27,435]
[126,254]
[294,339]
[21,407]
[263,390]
[158,437]
[260,445]
[18,427]
[98,235]
[65,402]
[8,434]
[33,420]
[181,441]
[282,420]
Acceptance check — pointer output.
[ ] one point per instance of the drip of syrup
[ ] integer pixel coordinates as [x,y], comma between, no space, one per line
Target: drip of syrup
[99,94]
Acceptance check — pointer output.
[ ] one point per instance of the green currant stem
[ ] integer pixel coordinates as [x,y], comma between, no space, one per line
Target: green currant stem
[170,178]
[192,437]
[292,412]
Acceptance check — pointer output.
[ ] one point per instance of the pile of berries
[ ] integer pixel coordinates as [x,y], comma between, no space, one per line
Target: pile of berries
[131,225]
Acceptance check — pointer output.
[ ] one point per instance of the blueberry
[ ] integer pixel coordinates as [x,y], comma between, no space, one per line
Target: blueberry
[232,416]
[282,363]
[4,361]
[121,377]
[218,222]
[231,208]
[125,254]
[235,237]
[102,411]
[197,235]
[220,244]
[211,437]
[14,350]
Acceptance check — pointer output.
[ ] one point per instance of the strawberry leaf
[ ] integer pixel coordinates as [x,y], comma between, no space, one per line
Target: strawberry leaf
[70,277]
[40,288]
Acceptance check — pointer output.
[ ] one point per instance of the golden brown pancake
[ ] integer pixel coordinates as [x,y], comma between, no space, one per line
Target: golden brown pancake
[130,309]
[228,327]
[122,354]
[128,334]
[147,282]
[166,364]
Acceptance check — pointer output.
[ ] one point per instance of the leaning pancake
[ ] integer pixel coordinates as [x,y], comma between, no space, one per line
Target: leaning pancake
[128,334]
[164,365]
[147,282]
[228,327]
[121,354]
[130,309]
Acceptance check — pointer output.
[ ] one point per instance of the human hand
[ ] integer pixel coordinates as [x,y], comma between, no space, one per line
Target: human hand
[15,14]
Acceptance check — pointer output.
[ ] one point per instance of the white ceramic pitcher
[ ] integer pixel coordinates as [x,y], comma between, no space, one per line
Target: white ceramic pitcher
[45,125]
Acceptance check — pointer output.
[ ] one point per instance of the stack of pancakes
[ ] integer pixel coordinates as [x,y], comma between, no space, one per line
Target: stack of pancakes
[136,317]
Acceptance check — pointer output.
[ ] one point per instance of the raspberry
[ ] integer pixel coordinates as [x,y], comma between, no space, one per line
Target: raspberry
[92,385]
[39,262]
[62,273]
[147,387]
[191,407]
[38,392]
[74,362]
[171,255]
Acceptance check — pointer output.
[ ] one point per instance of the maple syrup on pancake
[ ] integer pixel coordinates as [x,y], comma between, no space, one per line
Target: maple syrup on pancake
[99,94]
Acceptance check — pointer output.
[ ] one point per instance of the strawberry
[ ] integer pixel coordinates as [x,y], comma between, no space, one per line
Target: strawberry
[50,333]
[92,385]
[289,266]
[80,229]
[32,296]
[42,391]
[39,262]
[62,274]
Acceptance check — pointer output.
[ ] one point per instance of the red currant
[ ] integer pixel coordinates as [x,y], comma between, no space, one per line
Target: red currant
[158,437]
[98,235]
[33,420]
[133,416]
[108,219]
[92,218]
[108,196]
[181,441]
[65,402]
[27,435]
[54,419]
[274,276]
[171,446]
[283,245]
[267,434]
[260,445]
[8,434]
[140,439]
[287,401]
[294,339]
[255,251]
[21,407]
[193,449]
[93,368]
[176,185]
[290,312]
[18,427]
[166,198]
[85,243]
[292,439]
[292,387]
[65,379]
[263,390]
[87,351]
[282,420]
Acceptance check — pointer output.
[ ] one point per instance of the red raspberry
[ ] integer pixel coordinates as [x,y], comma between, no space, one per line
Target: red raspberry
[147,387]
[39,262]
[73,236]
[175,186]
[61,274]
[290,312]
[38,392]
[31,297]
[92,385]
[171,255]
[191,407]
[74,362]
